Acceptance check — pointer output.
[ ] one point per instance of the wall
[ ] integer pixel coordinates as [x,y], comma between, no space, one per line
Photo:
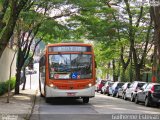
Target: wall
[5,62]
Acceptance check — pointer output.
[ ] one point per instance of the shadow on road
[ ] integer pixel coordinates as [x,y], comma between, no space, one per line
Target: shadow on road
[65,101]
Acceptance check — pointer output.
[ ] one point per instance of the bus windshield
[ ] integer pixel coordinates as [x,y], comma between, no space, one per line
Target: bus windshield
[70,66]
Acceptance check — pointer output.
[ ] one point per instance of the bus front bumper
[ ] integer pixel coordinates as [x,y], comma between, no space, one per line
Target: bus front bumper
[88,92]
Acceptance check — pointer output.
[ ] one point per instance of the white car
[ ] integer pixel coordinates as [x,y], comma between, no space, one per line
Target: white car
[132,90]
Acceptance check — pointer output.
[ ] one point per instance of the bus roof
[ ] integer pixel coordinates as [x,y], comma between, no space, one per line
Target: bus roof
[69,44]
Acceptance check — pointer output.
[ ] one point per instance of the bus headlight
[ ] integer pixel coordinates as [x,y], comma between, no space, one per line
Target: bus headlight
[89,85]
[52,86]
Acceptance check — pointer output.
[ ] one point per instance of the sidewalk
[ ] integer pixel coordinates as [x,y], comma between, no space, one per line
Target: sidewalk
[20,106]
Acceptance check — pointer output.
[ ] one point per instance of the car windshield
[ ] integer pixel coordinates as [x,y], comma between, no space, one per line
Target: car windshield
[140,85]
[157,88]
[70,66]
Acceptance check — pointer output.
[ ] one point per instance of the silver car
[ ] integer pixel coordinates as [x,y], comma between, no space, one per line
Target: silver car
[132,90]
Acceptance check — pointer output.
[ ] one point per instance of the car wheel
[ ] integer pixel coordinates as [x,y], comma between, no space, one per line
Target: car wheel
[113,94]
[124,97]
[132,98]
[136,99]
[108,94]
[85,99]
[157,105]
[147,103]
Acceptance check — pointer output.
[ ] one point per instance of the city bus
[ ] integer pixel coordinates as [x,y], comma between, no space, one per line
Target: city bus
[67,70]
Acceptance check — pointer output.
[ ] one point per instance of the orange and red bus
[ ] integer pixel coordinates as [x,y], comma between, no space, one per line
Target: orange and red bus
[67,70]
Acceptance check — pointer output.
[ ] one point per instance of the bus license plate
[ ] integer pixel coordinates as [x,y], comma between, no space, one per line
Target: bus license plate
[70,94]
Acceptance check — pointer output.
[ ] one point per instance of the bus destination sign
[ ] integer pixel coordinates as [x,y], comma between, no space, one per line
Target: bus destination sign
[70,49]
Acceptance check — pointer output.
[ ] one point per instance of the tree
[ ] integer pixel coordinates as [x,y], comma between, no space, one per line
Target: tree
[136,32]
[36,23]
[155,14]
[118,21]
[8,17]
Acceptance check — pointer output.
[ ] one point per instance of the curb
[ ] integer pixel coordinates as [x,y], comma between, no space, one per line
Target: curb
[29,115]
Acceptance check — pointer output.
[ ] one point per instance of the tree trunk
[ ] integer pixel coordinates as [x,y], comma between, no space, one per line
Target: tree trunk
[24,75]
[115,77]
[125,64]
[137,66]
[18,76]
[155,14]
[131,71]
[19,68]
[137,72]
[123,74]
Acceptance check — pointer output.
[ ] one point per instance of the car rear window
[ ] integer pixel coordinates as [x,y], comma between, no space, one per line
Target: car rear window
[140,84]
[120,84]
[157,88]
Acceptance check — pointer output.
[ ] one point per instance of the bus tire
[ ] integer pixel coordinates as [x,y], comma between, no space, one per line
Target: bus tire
[47,100]
[85,99]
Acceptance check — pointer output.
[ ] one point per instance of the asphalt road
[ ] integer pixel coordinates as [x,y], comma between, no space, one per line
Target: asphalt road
[101,107]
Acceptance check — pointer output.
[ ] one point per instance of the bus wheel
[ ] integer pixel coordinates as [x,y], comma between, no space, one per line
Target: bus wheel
[47,100]
[85,99]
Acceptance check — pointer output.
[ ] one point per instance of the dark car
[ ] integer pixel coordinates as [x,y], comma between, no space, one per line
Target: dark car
[121,91]
[100,85]
[114,89]
[105,88]
[149,94]
[132,90]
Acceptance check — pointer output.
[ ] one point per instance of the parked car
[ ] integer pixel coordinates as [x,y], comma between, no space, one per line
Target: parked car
[132,90]
[105,88]
[96,85]
[149,94]
[122,90]
[110,90]
[114,89]
[100,85]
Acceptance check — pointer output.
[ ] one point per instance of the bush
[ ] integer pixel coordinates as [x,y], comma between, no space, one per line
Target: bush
[4,85]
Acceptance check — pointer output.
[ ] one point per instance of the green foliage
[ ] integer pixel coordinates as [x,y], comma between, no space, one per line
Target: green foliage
[4,85]
[1,4]
[111,30]
[52,32]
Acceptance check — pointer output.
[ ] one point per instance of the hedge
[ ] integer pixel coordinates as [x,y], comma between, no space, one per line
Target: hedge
[4,85]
